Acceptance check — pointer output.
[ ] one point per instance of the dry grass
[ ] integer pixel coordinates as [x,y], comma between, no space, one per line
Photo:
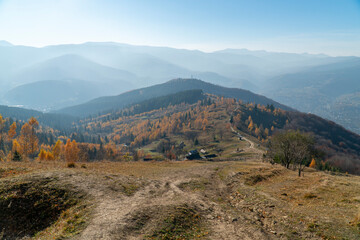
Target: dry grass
[318,205]
[151,170]
[319,202]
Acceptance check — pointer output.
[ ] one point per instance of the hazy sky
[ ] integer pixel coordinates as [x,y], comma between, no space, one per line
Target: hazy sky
[315,26]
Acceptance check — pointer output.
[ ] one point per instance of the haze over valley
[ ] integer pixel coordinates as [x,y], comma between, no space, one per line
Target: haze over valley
[65,75]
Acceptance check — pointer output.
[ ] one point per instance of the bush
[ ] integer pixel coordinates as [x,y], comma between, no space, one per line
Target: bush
[71,165]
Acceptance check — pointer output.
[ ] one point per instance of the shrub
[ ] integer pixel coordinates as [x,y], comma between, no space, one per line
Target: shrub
[71,165]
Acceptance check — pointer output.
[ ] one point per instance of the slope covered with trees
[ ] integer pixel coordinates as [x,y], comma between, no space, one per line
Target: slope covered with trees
[167,127]
[57,121]
[117,102]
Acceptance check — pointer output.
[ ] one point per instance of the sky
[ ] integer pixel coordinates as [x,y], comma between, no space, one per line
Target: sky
[314,26]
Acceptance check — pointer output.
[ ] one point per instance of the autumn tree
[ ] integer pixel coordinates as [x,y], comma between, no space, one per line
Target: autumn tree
[34,124]
[28,139]
[2,125]
[45,155]
[251,124]
[16,146]
[12,131]
[313,163]
[71,151]
[24,139]
[42,154]
[56,150]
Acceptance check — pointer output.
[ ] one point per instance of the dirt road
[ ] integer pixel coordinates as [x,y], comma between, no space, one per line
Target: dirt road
[251,147]
[129,207]
[198,200]
[134,216]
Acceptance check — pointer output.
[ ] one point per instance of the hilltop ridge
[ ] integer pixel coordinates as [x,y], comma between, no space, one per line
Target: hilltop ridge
[106,104]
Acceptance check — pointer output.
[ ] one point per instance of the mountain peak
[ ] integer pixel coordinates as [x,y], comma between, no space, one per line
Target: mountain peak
[186,80]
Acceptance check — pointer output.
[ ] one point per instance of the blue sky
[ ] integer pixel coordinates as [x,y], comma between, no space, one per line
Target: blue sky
[315,26]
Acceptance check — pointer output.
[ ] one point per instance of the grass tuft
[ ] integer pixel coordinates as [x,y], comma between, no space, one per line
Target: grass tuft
[184,223]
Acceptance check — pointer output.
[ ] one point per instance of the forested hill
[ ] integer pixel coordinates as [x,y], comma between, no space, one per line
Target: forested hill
[142,124]
[186,97]
[56,121]
[111,103]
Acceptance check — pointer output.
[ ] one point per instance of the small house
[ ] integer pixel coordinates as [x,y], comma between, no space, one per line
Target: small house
[193,154]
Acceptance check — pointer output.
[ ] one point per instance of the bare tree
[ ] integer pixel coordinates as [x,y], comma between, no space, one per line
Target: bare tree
[291,147]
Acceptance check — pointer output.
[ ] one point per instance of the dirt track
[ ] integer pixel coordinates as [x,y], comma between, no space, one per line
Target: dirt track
[233,200]
[115,212]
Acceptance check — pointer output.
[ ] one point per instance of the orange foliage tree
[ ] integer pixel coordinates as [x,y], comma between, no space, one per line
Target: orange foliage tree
[12,131]
[313,163]
[71,151]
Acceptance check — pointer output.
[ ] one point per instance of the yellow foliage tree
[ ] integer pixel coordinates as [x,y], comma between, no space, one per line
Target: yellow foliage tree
[33,123]
[42,155]
[16,146]
[2,123]
[24,139]
[71,151]
[49,156]
[251,125]
[28,139]
[56,151]
[12,131]
[313,163]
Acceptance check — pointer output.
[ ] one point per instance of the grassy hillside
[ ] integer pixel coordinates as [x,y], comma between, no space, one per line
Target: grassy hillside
[188,200]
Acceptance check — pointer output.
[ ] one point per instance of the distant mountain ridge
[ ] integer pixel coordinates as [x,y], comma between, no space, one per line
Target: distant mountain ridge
[5,43]
[64,81]
[110,103]
[53,93]
[71,66]
[124,67]
[330,91]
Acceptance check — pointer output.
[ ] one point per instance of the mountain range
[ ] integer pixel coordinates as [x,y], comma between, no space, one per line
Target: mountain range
[36,78]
